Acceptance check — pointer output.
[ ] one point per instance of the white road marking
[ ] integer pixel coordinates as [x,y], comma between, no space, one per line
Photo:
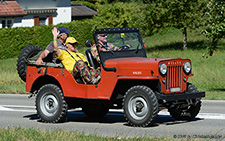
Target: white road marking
[2,108]
[20,108]
[17,108]
[201,115]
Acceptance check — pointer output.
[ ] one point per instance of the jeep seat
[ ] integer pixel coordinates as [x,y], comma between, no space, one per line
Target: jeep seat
[92,61]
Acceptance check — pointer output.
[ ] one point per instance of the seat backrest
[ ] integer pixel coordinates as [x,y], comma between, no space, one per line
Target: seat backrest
[92,61]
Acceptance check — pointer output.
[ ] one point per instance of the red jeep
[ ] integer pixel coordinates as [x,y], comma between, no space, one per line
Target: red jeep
[130,81]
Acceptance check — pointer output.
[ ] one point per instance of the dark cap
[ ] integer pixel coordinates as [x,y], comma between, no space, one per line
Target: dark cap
[63,30]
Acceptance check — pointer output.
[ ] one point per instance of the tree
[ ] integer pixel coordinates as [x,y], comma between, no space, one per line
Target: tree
[215,23]
[181,14]
[117,15]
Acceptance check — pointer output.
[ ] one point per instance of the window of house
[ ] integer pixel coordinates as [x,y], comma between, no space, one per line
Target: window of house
[39,21]
[7,23]
[42,21]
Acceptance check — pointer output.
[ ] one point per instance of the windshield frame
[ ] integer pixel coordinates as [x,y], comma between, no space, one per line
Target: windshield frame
[106,55]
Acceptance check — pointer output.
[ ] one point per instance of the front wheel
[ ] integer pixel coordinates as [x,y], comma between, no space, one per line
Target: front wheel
[50,104]
[189,110]
[182,112]
[140,106]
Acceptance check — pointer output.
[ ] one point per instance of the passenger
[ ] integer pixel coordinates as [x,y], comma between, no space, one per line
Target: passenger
[61,39]
[74,62]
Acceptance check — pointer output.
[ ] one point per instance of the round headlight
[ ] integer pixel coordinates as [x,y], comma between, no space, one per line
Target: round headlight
[163,68]
[187,67]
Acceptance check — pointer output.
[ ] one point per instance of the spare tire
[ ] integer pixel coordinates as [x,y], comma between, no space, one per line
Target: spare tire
[25,54]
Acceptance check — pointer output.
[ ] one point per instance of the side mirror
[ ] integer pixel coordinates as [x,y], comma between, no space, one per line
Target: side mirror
[88,43]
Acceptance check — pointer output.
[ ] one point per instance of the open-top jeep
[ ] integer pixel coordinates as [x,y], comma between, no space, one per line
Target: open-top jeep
[130,81]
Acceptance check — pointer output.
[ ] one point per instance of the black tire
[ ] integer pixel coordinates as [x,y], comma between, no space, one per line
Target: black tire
[186,111]
[50,104]
[26,53]
[95,109]
[140,106]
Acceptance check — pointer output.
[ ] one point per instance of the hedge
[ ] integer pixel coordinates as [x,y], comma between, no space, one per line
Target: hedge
[13,40]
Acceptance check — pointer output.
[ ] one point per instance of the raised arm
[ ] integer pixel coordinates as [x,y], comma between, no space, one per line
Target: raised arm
[55,33]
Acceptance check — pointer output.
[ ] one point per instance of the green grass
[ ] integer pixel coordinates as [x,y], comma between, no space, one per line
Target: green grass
[19,133]
[208,72]
[9,79]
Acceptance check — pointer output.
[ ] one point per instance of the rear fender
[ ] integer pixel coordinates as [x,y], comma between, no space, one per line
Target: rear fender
[42,80]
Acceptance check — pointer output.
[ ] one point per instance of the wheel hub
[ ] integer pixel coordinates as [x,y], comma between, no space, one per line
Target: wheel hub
[49,105]
[138,107]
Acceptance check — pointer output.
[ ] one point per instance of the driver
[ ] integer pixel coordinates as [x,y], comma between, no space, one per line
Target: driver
[103,45]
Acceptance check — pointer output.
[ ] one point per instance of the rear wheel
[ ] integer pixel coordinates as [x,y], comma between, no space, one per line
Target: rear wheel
[140,106]
[189,110]
[50,104]
[25,54]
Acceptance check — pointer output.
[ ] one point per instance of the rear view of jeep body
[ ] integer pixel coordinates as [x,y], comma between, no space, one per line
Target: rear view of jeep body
[139,85]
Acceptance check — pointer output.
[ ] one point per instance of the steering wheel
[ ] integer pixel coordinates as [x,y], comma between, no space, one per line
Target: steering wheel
[124,47]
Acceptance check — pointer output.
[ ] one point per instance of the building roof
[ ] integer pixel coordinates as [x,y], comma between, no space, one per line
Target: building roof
[11,8]
[40,11]
[79,9]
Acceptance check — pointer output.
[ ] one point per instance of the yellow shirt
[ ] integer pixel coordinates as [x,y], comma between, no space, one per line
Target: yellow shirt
[68,61]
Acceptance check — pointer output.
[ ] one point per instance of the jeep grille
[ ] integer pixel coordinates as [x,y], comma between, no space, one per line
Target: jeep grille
[173,77]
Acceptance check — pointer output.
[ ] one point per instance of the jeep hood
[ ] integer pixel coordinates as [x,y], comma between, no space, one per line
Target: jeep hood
[137,66]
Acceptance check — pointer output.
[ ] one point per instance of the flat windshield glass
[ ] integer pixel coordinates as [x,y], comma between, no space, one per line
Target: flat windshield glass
[119,41]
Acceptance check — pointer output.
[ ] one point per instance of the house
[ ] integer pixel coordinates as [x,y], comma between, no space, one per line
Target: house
[27,13]
[79,11]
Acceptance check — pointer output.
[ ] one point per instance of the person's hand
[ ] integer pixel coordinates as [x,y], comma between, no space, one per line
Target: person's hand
[55,32]
[128,46]
[124,47]
[39,61]
[99,44]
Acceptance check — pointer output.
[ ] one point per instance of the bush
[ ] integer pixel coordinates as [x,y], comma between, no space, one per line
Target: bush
[13,40]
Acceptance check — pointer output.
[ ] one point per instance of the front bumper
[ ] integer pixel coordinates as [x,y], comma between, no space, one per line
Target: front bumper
[180,96]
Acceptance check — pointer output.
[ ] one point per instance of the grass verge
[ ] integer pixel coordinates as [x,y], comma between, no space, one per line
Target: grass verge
[208,72]
[10,81]
[19,133]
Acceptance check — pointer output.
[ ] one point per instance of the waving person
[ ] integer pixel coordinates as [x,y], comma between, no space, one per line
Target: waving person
[74,62]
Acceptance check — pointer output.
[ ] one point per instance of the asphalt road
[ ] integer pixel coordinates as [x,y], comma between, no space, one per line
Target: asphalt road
[18,110]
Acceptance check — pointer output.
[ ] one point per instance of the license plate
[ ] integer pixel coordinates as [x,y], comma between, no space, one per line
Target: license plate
[176,89]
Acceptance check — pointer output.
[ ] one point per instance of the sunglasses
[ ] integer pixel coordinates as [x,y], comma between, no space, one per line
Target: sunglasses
[74,44]
[102,35]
